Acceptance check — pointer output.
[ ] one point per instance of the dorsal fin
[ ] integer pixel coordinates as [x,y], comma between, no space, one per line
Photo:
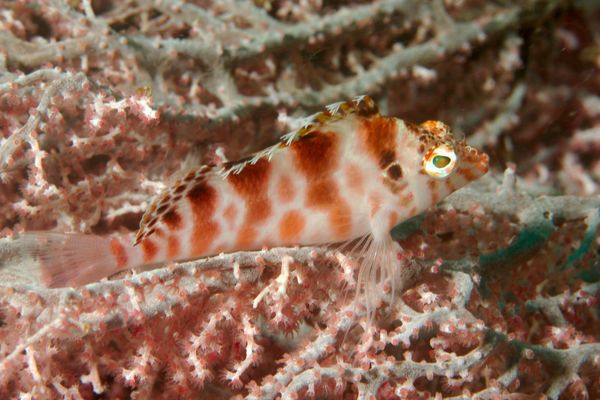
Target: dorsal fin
[361,105]
[164,204]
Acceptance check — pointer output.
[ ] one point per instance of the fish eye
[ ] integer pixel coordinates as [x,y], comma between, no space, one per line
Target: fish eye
[440,162]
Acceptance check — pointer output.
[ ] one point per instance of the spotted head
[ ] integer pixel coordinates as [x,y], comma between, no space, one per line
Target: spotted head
[430,163]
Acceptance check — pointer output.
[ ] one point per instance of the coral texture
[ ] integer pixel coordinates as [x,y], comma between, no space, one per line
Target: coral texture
[101,101]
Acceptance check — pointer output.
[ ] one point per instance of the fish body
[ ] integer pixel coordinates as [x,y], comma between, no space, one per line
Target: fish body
[347,173]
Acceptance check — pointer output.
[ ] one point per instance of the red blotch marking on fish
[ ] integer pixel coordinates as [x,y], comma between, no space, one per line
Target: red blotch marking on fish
[172,219]
[230,214]
[321,193]
[374,204]
[467,173]
[173,247]
[246,237]
[149,249]
[394,218]
[316,153]
[378,135]
[291,226]
[203,201]
[252,184]
[354,178]
[316,157]
[285,189]
[119,252]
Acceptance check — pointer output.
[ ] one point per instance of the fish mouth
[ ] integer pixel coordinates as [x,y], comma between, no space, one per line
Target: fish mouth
[476,163]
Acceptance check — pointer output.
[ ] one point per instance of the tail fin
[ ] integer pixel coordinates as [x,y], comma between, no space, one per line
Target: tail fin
[70,259]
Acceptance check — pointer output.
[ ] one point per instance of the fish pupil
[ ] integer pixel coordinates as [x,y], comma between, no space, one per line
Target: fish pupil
[441,161]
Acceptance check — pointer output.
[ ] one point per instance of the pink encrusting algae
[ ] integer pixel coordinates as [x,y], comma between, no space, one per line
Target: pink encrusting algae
[120,116]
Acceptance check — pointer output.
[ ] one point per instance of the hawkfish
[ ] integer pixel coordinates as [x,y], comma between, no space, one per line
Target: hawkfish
[346,173]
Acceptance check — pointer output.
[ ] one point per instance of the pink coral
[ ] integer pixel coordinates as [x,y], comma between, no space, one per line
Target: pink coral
[101,101]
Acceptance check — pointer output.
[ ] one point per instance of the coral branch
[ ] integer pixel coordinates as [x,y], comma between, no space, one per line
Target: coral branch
[102,101]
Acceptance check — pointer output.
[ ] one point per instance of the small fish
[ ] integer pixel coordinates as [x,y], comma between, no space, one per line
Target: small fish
[346,173]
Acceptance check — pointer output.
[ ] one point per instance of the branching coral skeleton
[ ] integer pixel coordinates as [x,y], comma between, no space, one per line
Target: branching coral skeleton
[102,101]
